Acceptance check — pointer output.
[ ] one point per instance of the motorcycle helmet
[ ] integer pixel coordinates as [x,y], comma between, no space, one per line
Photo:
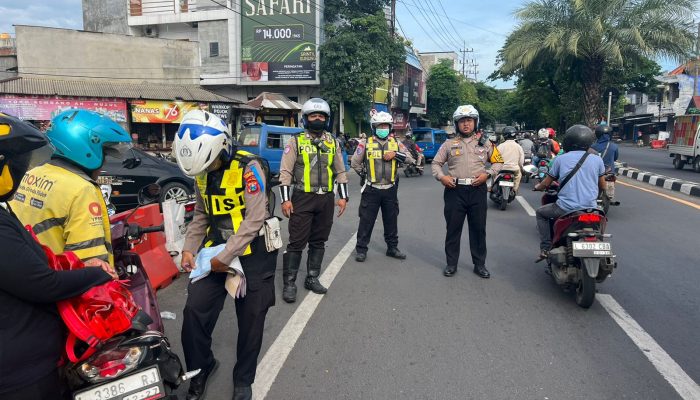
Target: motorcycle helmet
[552,133]
[466,111]
[578,137]
[543,134]
[312,106]
[201,139]
[601,130]
[84,137]
[509,132]
[379,119]
[18,140]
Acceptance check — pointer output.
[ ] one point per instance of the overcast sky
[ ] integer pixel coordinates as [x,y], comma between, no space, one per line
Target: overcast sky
[482,25]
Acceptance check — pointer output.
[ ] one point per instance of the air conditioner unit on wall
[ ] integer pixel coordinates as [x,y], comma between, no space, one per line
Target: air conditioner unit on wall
[150,31]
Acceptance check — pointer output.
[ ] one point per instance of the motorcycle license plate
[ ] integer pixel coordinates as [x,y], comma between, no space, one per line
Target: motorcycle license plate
[506,183]
[592,249]
[141,385]
[544,169]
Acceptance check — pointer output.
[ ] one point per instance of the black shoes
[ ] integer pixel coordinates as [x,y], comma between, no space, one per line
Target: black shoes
[198,385]
[482,271]
[242,393]
[290,267]
[450,270]
[360,257]
[395,253]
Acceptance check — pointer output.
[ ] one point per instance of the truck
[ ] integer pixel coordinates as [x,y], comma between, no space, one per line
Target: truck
[684,143]
[429,140]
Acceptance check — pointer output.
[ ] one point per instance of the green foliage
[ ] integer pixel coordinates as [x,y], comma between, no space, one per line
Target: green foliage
[444,92]
[347,10]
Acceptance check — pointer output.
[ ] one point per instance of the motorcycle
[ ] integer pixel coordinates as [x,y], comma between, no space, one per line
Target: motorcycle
[415,168]
[542,169]
[138,364]
[527,166]
[580,256]
[503,189]
[605,201]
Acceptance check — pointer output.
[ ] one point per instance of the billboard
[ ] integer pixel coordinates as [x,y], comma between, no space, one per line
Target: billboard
[278,41]
[44,108]
[162,112]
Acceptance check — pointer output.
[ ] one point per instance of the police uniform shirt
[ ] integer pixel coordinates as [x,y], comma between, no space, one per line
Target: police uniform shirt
[466,158]
[358,159]
[289,158]
[256,211]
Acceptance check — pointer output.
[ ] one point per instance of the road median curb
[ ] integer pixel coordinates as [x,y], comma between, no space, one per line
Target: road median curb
[676,185]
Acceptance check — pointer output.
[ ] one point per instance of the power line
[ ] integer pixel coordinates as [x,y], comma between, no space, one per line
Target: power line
[435,32]
[447,16]
[441,25]
[423,29]
[470,24]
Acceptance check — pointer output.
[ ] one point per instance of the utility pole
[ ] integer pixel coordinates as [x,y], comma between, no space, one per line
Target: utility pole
[391,73]
[697,61]
[464,52]
[610,106]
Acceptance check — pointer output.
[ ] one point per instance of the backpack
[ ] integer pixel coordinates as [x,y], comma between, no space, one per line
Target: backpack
[543,149]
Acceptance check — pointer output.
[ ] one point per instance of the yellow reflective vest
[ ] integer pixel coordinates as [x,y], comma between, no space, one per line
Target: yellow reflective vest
[314,164]
[380,171]
[66,210]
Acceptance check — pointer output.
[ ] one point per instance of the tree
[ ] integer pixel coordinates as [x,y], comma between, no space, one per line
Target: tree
[592,35]
[355,57]
[444,92]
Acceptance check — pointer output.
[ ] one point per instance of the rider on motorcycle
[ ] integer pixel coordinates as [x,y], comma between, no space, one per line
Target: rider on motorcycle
[608,151]
[581,192]
[31,332]
[527,144]
[513,155]
[543,149]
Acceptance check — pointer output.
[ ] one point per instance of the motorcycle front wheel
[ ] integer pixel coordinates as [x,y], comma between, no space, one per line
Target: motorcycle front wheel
[585,290]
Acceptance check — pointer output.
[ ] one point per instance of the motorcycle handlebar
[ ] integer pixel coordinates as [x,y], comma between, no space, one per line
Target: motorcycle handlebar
[151,229]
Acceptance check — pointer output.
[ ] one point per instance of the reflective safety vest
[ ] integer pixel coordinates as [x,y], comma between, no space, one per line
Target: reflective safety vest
[224,202]
[314,165]
[381,172]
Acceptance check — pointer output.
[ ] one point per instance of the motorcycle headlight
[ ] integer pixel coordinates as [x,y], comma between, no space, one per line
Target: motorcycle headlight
[111,363]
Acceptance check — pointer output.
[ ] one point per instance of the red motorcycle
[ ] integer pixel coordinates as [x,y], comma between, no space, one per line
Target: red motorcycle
[580,256]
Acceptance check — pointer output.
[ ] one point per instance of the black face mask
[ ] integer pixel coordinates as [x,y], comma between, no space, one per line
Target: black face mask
[316,126]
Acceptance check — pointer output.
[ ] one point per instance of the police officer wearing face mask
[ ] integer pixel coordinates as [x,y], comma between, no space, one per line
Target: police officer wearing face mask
[377,159]
[311,165]
[466,156]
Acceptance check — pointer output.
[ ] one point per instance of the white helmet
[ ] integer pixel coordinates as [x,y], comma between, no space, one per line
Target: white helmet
[466,111]
[382,117]
[543,133]
[199,141]
[315,105]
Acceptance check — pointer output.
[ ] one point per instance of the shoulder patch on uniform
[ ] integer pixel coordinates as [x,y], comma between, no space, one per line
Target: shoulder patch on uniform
[253,180]
[287,149]
[360,148]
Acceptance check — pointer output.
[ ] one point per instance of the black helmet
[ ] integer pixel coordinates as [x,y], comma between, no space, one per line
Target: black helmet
[17,141]
[509,132]
[578,137]
[601,130]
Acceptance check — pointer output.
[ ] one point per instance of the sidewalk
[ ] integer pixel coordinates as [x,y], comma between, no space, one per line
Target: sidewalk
[677,185]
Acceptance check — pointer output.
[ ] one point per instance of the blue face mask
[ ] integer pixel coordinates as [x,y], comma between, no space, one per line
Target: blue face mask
[382,133]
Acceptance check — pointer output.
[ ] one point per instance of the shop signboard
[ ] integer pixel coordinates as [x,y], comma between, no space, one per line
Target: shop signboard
[44,108]
[162,112]
[221,110]
[279,41]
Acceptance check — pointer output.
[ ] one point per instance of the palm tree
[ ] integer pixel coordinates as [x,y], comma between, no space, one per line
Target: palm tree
[597,33]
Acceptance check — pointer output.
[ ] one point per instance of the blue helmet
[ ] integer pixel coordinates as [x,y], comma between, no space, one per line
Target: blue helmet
[83,137]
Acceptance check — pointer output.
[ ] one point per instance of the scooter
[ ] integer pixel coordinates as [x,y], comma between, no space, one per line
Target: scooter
[416,168]
[138,364]
[580,256]
[542,169]
[605,201]
[503,189]
[527,165]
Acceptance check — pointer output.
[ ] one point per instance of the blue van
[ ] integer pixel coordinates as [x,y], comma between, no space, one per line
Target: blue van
[429,140]
[268,142]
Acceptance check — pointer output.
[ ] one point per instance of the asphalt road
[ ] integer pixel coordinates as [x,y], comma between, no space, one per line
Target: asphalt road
[392,329]
[657,161]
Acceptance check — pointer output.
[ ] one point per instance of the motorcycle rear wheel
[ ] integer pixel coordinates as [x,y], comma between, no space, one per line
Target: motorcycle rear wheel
[585,290]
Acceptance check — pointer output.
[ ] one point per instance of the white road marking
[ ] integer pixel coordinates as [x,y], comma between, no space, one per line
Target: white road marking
[278,352]
[669,369]
[530,211]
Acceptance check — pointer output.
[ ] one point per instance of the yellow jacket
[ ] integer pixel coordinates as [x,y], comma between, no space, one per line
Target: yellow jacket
[66,210]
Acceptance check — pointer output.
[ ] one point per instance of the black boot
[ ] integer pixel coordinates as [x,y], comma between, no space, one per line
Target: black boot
[242,393]
[290,267]
[396,253]
[198,385]
[313,264]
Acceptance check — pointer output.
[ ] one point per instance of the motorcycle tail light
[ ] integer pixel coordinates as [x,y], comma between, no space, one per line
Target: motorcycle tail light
[590,239]
[543,163]
[189,207]
[589,218]
[111,363]
[508,177]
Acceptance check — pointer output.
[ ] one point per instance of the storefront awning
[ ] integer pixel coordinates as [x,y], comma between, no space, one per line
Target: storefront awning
[274,101]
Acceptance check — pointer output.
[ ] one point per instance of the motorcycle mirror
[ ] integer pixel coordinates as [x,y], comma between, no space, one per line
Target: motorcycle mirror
[131,163]
[149,194]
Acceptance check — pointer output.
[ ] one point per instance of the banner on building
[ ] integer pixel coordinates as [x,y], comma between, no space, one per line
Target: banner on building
[44,108]
[278,41]
[162,112]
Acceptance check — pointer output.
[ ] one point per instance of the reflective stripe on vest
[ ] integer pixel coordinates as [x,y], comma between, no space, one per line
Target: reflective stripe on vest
[311,156]
[375,159]
[227,199]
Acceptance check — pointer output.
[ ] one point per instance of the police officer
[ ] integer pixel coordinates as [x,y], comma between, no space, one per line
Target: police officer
[232,205]
[311,163]
[377,159]
[466,156]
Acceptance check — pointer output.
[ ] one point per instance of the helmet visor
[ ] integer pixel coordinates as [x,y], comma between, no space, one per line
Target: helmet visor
[118,150]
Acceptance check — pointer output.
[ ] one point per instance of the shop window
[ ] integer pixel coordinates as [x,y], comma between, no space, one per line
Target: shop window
[213,49]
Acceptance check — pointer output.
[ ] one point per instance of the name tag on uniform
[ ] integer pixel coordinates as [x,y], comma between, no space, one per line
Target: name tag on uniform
[456,150]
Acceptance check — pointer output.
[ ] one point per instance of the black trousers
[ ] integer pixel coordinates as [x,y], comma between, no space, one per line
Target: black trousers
[372,200]
[48,387]
[470,202]
[311,221]
[205,301]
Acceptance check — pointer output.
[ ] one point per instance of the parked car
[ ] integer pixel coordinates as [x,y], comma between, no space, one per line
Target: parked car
[138,169]
[430,140]
[684,144]
[268,142]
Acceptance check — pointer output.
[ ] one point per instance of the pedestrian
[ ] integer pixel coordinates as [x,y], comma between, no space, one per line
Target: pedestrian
[311,164]
[379,157]
[466,156]
[513,156]
[232,204]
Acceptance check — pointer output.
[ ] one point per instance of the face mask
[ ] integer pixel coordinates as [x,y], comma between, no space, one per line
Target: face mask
[382,133]
[316,125]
